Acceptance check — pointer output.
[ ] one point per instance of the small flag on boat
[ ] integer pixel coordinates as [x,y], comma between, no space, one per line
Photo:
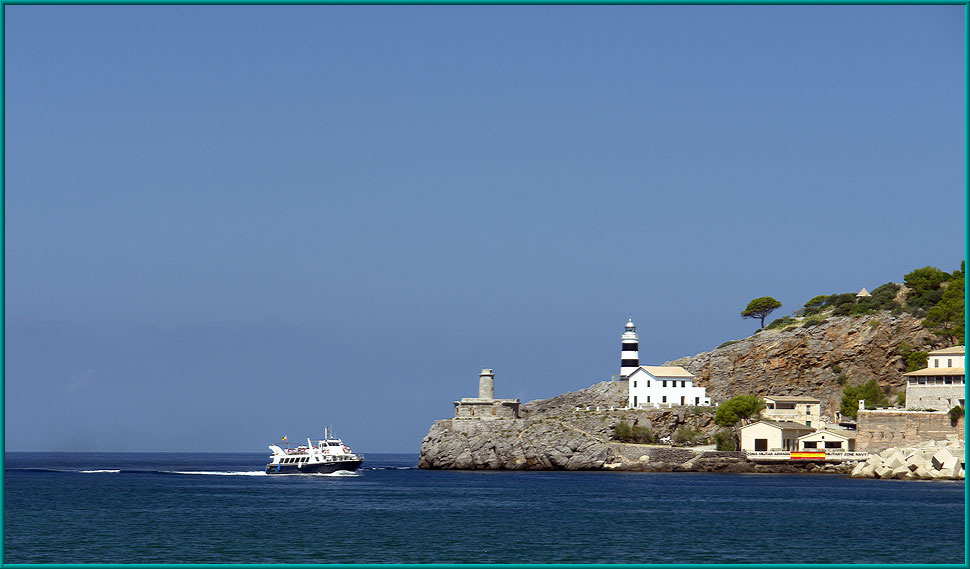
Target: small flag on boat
[284,438]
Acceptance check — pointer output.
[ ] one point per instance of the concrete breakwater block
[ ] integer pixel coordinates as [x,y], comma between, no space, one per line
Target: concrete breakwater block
[943,458]
[882,471]
[928,461]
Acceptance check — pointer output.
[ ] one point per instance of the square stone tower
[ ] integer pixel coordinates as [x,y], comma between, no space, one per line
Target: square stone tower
[486,406]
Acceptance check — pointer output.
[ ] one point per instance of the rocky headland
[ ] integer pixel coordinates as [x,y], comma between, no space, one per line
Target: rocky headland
[573,431]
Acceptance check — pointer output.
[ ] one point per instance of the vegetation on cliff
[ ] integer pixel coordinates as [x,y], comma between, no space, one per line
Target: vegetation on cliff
[760,308]
[870,392]
[839,348]
[928,293]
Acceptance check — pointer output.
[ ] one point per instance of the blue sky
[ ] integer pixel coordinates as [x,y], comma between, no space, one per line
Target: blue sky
[227,223]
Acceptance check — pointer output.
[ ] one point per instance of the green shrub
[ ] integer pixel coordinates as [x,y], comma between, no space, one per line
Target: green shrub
[842,299]
[836,368]
[813,321]
[901,398]
[685,435]
[842,310]
[737,408]
[841,379]
[728,343]
[624,433]
[868,391]
[724,440]
[956,413]
[916,360]
[779,322]
[924,287]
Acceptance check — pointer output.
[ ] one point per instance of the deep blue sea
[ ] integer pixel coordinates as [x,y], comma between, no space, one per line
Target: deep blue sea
[220,508]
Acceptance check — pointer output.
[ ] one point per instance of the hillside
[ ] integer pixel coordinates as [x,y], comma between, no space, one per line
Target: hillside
[816,360]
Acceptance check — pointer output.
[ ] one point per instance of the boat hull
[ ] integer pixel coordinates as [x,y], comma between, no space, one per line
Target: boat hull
[319,468]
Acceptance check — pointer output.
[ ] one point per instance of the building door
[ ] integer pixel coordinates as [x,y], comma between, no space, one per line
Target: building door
[681,399]
[634,401]
[761,444]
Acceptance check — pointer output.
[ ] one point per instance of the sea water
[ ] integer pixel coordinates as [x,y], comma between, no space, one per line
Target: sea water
[222,508]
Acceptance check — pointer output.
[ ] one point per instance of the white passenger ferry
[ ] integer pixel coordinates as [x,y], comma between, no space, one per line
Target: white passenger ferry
[328,455]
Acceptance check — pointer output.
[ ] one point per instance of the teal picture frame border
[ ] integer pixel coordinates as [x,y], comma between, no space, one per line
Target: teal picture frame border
[470,3]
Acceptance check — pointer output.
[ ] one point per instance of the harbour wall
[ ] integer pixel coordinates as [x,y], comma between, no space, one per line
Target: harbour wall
[879,429]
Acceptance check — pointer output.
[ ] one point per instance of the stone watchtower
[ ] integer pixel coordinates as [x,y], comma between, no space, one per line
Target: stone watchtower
[486,406]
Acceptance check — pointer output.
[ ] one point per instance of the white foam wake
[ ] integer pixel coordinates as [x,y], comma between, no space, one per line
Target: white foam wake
[96,471]
[218,473]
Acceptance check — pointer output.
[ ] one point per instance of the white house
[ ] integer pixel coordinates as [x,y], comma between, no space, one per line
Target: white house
[941,385]
[772,435]
[828,438]
[798,409]
[664,386]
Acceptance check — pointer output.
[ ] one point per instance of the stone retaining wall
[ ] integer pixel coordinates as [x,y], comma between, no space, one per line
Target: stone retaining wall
[882,429]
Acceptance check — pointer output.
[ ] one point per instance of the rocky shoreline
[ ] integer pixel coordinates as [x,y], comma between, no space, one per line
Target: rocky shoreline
[523,444]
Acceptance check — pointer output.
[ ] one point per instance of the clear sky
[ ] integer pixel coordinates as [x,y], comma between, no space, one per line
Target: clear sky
[228,223]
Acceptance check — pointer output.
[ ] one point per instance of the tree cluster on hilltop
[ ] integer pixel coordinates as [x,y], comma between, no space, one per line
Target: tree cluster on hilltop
[931,294]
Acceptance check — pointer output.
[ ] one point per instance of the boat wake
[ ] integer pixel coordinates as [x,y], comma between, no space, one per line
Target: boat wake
[339,473]
[219,473]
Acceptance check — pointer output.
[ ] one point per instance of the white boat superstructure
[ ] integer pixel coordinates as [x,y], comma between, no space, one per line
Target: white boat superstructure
[329,454]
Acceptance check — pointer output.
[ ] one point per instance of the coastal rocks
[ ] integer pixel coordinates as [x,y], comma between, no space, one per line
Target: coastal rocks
[525,445]
[601,396]
[511,445]
[933,460]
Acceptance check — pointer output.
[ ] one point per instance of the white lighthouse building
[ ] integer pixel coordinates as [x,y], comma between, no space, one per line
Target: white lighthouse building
[655,386]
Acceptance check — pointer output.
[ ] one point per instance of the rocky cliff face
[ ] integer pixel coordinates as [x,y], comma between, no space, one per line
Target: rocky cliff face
[803,361]
[572,431]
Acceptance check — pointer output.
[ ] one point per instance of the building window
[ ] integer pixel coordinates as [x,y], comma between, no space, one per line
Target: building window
[683,383]
[681,399]
[808,423]
[697,401]
[648,399]
[761,444]
[949,363]
[635,400]
[664,399]
[811,444]
[648,383]
[634,383]
[664,384]
[948,381]
[936,362]
[833,444]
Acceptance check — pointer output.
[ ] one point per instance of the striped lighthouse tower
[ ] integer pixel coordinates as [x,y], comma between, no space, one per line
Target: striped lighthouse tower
[630,353]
